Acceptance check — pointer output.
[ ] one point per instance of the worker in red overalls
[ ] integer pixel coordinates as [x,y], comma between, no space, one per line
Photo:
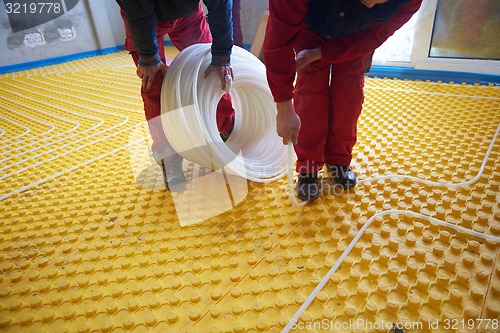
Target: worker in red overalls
[337,39]
[146,23]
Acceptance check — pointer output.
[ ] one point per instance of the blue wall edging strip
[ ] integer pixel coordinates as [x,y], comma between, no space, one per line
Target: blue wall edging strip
[432,75]
[57,60]
[76,56]
[376,71]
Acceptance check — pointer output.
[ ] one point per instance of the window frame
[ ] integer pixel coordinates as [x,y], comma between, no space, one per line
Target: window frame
[420,58]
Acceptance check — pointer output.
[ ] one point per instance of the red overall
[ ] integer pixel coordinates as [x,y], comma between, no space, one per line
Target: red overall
[328,99]
[328,94]
[183,32]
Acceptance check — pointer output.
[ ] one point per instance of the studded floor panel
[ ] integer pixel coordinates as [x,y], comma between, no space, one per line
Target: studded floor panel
[90,241]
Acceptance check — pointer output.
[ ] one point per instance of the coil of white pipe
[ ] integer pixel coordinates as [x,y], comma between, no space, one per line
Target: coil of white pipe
[188,105]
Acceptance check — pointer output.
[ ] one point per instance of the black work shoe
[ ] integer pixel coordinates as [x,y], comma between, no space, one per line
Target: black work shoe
[224,136]
[173,175]
[343,176]
[307,186]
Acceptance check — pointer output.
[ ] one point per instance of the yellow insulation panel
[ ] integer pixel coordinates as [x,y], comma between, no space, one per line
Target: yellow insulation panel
[90,241]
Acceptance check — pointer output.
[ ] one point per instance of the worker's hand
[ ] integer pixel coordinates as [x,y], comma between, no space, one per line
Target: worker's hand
[225,74]
[147,73]
[306,57]
[288,122]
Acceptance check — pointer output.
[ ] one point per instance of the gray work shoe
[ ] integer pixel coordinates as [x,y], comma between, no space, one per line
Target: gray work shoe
[173,174]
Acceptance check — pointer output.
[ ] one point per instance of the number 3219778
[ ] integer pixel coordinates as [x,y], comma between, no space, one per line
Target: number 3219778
[33,8]
[478,323]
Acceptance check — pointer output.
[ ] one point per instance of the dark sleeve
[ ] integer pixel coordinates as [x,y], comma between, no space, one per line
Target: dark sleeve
[367,40]
[220,21]
[141,19]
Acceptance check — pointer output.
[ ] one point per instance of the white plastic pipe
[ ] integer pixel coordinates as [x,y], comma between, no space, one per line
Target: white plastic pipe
[351,245]
[189,103]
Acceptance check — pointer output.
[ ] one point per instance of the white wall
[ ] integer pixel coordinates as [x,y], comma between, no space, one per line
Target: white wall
[251,12]
[92,25]
[95,25]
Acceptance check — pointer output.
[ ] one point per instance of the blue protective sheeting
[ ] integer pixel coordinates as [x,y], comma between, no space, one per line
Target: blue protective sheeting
[432,75]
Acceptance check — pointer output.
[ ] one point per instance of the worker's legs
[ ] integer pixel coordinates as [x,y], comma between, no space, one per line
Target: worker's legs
[311,103]
[169,161]
[346,101]
[192,30]
[150,97]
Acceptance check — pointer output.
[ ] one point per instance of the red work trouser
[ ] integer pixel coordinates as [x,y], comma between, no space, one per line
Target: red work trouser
[183,32]
[328,99]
